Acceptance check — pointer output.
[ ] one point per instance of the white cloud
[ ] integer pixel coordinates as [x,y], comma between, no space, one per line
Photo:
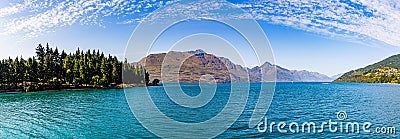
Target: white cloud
[32,17]
[356,20]
[10,10]
[360,19]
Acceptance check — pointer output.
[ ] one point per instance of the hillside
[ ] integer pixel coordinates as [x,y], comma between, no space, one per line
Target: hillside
[194,64]
[191,66]
[337,76]
[385,71]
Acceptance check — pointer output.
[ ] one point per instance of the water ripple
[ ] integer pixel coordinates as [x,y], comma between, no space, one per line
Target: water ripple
[106,114]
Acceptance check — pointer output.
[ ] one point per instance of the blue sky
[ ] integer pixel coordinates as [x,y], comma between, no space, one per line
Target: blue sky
[329,37]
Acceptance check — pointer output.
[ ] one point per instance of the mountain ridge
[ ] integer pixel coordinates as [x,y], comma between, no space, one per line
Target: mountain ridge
[193,65]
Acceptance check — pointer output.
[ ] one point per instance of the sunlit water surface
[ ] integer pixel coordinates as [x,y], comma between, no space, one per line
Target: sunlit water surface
[106,113]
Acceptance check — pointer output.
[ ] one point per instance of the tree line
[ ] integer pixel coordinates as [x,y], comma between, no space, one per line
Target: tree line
[51,69]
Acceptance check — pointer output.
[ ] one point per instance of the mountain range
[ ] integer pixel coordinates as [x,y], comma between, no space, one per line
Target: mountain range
[194,66]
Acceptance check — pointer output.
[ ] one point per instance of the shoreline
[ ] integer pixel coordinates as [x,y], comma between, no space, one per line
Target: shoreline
[122,86]
[81,88]
[366,82]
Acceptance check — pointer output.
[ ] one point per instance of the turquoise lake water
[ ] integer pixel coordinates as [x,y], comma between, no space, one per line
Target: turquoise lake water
[106,113]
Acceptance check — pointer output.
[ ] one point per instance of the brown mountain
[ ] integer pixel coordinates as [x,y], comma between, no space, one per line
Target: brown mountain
[194,66]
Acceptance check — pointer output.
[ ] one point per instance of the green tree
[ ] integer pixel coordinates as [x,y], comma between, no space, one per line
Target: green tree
[51,70]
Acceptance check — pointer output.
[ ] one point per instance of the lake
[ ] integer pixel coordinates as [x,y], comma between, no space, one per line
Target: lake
[106,113]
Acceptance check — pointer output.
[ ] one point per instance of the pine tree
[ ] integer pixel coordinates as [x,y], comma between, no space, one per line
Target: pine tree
[51,70]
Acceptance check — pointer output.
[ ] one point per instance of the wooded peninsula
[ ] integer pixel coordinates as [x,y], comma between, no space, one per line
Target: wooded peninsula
[54,70]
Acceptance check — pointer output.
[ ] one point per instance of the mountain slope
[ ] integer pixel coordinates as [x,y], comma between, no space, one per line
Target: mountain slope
[337,76]
[191,66]
[385,71]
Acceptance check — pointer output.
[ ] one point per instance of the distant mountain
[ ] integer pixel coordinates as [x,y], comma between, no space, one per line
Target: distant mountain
[385,71]
[336,76]
[285,75]
[192,65]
